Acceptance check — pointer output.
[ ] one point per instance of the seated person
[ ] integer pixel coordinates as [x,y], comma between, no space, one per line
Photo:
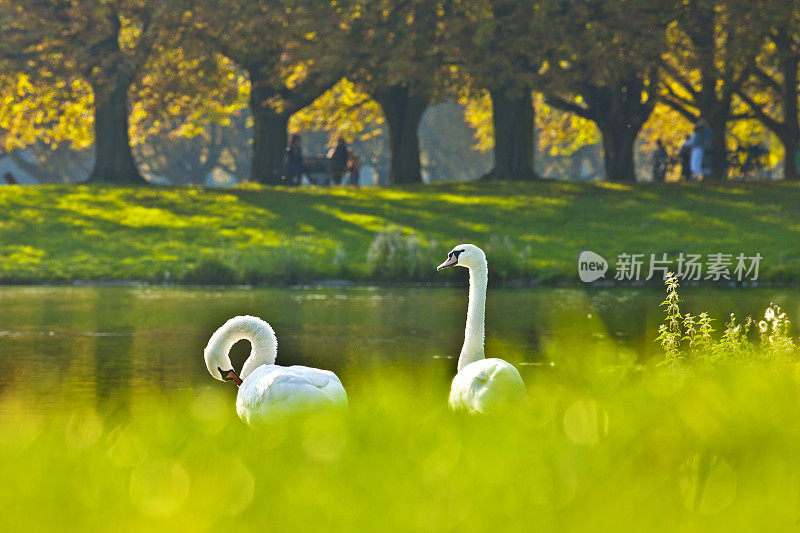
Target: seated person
[337,161]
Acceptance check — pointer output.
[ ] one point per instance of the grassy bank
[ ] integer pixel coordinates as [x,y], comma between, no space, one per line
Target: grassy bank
[531,231]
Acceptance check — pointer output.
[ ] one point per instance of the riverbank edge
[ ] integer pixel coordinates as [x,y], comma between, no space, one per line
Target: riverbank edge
[345,283]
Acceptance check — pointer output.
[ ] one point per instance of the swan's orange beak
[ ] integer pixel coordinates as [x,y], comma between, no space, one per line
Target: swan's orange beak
[231,376]
[452,259]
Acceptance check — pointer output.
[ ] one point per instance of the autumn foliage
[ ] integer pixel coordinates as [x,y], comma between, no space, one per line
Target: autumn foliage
[137,79]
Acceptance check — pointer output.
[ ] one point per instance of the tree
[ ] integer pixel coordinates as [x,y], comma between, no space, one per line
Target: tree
[347,112]
[559,135]
[342,111]
[771,91]
[604,69]
[393,51]
[187,123]
[104,43]
[712,50]
[268,39]
[46,110]
[496,42]
[190,159]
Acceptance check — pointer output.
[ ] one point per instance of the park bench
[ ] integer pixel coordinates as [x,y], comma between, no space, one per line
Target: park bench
[317,170]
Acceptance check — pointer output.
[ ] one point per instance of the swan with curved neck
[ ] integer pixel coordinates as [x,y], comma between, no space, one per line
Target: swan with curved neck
[481,384]
[267,390]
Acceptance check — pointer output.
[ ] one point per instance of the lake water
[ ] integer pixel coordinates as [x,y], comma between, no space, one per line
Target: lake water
[109,343]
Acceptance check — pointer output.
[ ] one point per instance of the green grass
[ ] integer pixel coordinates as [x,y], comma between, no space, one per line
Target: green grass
[285,235]
[607,448]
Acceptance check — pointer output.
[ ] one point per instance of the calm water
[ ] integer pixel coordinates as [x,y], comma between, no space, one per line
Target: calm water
[110,343]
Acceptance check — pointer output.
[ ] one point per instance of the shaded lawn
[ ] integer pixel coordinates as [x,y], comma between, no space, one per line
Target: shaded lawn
[281,234]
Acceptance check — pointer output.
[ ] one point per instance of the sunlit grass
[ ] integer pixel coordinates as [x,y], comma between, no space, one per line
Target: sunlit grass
[611,448]
[253,232]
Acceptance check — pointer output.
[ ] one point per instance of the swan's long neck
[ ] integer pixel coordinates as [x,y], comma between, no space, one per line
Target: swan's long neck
[263,343]
[473,335]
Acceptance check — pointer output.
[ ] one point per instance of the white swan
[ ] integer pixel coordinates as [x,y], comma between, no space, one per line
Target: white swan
[481,384]
[267,390]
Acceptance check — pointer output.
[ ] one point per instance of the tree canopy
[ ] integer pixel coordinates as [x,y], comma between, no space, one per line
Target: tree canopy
[138,80]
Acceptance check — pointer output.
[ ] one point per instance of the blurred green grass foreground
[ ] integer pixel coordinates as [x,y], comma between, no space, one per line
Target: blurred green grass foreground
[280,235]
[607,448]
[705,438]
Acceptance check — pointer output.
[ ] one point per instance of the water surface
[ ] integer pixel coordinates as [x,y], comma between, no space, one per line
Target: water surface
[107,344]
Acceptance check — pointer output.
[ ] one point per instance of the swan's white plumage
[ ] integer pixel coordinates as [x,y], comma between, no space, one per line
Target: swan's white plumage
[269,390]
[272,391]
[481,385]
[487,385]
[263,345]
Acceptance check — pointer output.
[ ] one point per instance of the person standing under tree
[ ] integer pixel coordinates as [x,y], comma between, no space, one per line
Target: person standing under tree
[698,143]
[353,168]
[685,156]
[294,161]
[660,159]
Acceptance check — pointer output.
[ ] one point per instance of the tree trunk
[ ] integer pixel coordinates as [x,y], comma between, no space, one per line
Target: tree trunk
[620,112]
[791,145]
[269,131]
[618,146]
[269,146]
[717,111]
[403,112]
[513,135]
[719,150]
[113,158]
[713,106]
[791,131]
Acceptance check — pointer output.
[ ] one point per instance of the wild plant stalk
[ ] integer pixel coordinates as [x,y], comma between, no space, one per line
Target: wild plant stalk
[690,331]
[734,340]
[704,331]
[689,338]
[696,333]
[774,329]
[670,332]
